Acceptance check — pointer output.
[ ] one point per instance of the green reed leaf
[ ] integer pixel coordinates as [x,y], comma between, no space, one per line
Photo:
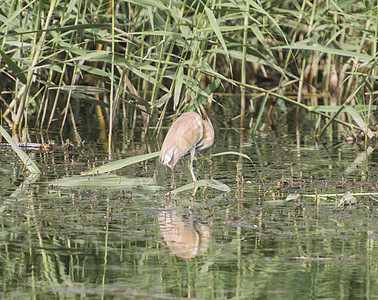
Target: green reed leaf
[29,163]
[215,27]
[121,163]
[13,66]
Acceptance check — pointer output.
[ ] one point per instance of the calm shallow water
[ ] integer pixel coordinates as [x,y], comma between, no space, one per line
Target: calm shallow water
[118,238]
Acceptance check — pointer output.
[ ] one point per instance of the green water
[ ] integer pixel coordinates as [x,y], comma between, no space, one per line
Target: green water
[118,238]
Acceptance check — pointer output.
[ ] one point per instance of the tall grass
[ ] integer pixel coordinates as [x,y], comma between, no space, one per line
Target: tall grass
[96,58]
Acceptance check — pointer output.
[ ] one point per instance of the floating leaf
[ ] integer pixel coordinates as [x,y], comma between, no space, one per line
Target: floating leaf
[215,184]
[106,181]
[346,199]
[232,153]
[291,197]
[276,202]
[121,163]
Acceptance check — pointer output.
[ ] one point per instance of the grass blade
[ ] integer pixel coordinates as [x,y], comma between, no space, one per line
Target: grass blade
[13,66]
[259,116]
[364,57]
[360,122]
[214,25]
[29,163]
[178,87]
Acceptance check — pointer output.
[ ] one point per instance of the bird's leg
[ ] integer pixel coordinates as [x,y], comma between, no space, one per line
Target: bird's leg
[173,184]
[192,199]
[195,188]
[192,152]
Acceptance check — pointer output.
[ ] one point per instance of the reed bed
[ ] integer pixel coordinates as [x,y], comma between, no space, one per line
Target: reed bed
[135,62]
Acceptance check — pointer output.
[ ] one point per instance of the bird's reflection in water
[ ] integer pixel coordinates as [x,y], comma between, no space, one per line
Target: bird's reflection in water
[186,238]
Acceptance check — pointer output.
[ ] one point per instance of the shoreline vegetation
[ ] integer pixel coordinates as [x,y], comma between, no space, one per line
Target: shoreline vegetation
[135,63]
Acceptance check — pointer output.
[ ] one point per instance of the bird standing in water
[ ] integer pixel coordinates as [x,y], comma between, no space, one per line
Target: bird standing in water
[188,134]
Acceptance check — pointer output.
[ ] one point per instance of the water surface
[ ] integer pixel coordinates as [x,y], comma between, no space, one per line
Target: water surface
[121,236]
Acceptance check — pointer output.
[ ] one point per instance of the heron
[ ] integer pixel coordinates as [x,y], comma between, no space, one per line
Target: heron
[190,133]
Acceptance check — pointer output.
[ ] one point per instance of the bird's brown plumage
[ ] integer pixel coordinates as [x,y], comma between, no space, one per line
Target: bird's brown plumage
[189,133]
